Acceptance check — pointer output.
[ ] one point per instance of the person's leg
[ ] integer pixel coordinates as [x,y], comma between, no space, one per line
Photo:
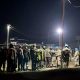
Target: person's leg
[8,66]
[79,60]
[47,60]
[32,65]
[0,65]
[4,65]
[26,65]
[12,66]
[39,64]
[57,61]
[22,66]
[67,63]
[24,62]
[19,63]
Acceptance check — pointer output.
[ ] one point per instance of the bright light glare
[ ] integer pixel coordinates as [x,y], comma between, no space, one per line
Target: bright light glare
[59,30]
[8,27]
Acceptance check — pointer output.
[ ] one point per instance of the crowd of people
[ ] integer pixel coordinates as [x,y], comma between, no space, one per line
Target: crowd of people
[17,57]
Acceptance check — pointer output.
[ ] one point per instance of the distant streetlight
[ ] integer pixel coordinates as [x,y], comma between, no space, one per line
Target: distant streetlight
[8,30]
[59,31]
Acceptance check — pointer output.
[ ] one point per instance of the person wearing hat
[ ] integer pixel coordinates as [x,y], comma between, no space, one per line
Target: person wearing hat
[66,56]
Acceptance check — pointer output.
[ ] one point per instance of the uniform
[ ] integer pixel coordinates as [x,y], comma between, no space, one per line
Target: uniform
[47,57]
[53,58]
[76,57]
[58,56]
[65,57]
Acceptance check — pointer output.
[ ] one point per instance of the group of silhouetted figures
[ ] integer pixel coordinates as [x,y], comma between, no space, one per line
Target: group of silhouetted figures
[17,58]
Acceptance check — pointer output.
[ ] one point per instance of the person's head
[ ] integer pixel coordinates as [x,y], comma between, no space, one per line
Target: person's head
[66,45]
[20,46]
[50,48]
[31,47]
[76,49]
[44,47]
[11,46]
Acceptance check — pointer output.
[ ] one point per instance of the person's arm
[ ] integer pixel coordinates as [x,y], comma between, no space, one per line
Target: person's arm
[28,55]
[22,53]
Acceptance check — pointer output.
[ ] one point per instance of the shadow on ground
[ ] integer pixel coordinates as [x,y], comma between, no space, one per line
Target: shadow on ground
[59,74]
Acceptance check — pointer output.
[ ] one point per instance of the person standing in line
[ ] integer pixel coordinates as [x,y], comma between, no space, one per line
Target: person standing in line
[44,58]
[39,54]
[4,57]
[66,56]
[58,57]
[76,57]
[20,57]
[47,57]
[11,59]
[53,57]
[33,58]
[26,58]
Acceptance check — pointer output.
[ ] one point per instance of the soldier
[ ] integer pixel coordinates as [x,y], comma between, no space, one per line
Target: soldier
[76,57]
[11,59]
[53,57]
[39,57]
[58,57]
[43,56]
[47,57]
[66,56]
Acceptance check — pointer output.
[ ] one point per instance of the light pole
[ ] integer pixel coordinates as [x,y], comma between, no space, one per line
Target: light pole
[62,21]
[8,30]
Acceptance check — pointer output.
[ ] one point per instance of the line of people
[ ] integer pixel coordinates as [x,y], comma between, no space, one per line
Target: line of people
[15,57]
[19,56]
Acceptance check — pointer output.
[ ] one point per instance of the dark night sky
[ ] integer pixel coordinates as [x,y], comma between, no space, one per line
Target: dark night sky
[38,19]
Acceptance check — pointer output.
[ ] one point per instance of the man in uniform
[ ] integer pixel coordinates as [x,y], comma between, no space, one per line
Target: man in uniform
[66,56]
[48,57]
[58,57]
[76,57]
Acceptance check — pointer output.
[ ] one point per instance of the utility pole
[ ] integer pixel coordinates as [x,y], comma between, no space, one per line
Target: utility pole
[62,23]
[8,30]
